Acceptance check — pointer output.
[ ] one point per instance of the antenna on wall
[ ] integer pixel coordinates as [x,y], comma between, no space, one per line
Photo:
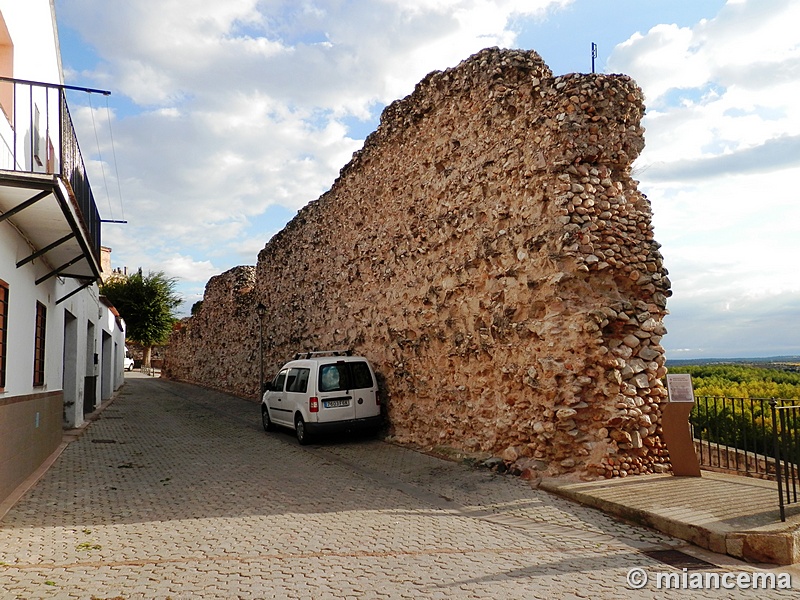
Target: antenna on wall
[594,54]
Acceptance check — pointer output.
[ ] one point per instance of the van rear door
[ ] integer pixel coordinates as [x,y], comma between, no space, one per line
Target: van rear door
[364,390]
[336,403]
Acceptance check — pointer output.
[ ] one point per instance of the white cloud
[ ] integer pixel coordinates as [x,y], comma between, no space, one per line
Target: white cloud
[764,326]
[242,102]
[751,44]
[222,110]
[721,161]
[184,267]
[724,86]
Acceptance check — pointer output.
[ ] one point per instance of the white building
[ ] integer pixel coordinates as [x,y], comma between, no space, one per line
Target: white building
[61,345]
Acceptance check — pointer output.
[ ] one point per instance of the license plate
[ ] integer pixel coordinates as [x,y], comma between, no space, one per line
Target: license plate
[335,403]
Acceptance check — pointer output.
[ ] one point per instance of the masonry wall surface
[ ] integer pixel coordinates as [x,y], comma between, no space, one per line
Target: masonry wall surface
[489,252]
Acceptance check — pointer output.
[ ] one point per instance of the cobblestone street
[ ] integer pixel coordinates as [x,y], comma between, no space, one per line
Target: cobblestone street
[177,492]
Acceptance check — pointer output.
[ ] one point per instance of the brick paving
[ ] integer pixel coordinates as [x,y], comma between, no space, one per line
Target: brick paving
[175,492]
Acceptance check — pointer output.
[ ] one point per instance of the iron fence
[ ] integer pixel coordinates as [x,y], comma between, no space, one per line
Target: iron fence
[786,438]
[759,437]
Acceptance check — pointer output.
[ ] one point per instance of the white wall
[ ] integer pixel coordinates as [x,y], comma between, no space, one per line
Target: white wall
[31,24]
[36,57]
[113,365]
[92,320]
[22,297]
[87,309]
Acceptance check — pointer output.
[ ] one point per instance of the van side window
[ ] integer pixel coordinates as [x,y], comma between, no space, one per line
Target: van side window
[280,379]
[360,375]
[298,380]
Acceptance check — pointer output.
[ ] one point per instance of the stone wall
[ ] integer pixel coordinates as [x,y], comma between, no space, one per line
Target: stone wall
[489,252]
[218,346]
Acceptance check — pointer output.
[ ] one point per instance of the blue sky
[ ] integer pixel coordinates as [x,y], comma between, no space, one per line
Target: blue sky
[226,118]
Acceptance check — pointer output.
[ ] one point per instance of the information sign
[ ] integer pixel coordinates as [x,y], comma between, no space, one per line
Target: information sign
[679,387]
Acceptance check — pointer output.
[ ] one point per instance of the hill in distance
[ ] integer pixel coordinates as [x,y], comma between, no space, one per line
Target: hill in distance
[758,361]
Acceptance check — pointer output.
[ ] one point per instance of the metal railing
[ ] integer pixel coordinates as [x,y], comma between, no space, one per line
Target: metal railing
[786,438]
[759,437]
[40,138]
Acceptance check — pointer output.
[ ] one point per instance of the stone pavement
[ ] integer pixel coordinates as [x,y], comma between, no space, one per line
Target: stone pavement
[175,492]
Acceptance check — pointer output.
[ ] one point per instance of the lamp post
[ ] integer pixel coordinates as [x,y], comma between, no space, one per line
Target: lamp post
[261,310]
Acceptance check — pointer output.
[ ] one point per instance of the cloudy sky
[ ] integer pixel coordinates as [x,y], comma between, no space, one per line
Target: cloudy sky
[226,117]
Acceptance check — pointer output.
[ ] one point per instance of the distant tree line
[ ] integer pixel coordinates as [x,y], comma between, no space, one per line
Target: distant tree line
[744,424]
[742,381]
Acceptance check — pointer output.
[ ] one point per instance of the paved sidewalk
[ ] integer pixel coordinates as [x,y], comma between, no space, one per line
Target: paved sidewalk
[728,514]
[175,492]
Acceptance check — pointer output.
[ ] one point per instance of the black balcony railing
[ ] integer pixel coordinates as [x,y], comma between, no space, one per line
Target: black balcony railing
[41,139]
[759,437]
[74,171]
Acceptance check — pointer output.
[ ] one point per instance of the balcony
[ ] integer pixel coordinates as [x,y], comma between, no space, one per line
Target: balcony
[44,189]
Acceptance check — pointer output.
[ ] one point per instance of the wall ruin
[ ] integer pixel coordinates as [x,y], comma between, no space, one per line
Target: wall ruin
[489,252]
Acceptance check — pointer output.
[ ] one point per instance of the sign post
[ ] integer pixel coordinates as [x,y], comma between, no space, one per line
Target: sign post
[675,426]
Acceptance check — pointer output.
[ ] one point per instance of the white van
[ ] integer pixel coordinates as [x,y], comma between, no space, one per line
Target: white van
[320,392]
[127,362]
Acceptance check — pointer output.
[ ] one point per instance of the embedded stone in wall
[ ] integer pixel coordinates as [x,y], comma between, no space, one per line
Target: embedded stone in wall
[489,252]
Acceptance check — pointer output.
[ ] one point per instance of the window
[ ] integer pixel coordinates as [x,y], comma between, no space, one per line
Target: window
[330,378]
[3,331]
[345,376]
[37,136]
[38,345]
[361,375]
[277,383]
[298,380]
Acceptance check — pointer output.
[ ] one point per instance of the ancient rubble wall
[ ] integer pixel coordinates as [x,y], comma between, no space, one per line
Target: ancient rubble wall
[489,252]
[215,347]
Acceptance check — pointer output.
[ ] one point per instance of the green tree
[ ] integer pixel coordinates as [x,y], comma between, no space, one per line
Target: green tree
[146,302]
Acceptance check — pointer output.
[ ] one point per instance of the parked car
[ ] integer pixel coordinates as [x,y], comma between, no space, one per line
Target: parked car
[127,362]
[321,392]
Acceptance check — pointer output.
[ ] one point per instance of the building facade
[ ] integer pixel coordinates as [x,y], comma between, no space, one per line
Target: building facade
[61,344]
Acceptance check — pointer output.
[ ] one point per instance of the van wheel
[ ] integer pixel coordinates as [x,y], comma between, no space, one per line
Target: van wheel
[265,420]
[300,430]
